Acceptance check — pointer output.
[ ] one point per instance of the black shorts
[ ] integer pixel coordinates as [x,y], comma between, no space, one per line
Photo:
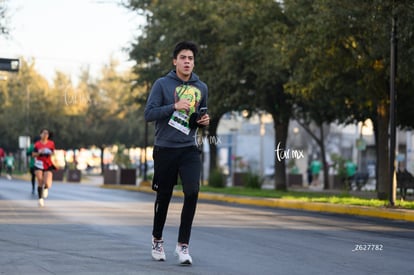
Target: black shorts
[169,163]
[50,168]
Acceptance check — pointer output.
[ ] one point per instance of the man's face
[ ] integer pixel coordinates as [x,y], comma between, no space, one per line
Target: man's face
[184,64]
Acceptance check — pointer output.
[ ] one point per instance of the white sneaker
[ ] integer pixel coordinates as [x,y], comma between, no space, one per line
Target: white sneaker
[157,252]
[41,202]
[181,251]
[45,193]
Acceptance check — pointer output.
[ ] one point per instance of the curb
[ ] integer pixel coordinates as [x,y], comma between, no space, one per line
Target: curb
[394,214]
[384,213]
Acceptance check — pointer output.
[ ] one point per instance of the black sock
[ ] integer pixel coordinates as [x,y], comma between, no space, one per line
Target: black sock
[40,192]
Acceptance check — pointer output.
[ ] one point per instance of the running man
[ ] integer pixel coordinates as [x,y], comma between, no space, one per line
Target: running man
[174,104]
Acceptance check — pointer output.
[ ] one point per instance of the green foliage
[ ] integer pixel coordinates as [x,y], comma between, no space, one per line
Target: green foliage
[252,180]
[240,60]
[339,165]
[97,112]
[216,179]
[121,157]
[318,61]
[339,52]
[293,168]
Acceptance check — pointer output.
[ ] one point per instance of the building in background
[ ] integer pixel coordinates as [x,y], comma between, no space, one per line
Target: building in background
[248,144]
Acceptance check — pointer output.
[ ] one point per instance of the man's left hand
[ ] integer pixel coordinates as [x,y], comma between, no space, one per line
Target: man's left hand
[204,120]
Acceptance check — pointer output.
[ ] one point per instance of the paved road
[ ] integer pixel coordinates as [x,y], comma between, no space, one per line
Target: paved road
[85,229]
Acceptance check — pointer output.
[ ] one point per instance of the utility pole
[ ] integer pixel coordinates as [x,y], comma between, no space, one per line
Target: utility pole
[393,69]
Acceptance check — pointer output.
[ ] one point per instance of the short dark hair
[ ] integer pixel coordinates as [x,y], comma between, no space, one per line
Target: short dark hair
[50,133]
[43,129]
[185,45]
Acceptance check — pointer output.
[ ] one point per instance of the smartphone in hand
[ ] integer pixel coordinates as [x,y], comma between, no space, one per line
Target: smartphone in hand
[202,112]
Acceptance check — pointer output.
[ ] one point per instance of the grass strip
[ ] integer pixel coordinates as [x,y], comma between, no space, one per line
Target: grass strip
[341,198]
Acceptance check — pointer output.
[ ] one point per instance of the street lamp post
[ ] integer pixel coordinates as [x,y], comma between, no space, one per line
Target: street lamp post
[392,111]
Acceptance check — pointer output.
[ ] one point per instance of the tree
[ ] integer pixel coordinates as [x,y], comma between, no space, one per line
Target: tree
[95,112]
[343,62]
[204,23]
[231,57]
[262,38]
[24,106]
[128,116]
[312,56]
[4,19]
[68,108]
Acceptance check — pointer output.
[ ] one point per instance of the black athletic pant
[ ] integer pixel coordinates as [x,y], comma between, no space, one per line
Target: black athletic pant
[169,163]
[33,178]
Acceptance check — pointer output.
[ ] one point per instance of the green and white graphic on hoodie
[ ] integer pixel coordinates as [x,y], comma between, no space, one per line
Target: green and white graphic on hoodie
[180,119]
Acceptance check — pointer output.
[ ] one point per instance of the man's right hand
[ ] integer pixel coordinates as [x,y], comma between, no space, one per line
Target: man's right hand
[182,104]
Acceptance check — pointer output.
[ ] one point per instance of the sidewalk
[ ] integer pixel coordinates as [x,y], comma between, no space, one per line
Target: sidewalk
[376,212]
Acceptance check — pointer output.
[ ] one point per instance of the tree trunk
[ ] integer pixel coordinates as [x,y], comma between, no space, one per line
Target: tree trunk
[102,147]
[320,141]
[383,190]
[281,133]
[325,166]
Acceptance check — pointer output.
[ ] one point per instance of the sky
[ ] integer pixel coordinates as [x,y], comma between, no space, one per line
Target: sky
[67,35]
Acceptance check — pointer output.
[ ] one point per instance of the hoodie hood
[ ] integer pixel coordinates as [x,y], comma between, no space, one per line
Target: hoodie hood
[173,74]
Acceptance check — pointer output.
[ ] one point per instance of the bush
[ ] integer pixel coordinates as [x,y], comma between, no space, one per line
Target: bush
[339,165]
[150,176]
[216,179]
[252,180]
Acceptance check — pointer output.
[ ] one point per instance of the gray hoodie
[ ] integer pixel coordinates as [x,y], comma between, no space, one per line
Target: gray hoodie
[165,92]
